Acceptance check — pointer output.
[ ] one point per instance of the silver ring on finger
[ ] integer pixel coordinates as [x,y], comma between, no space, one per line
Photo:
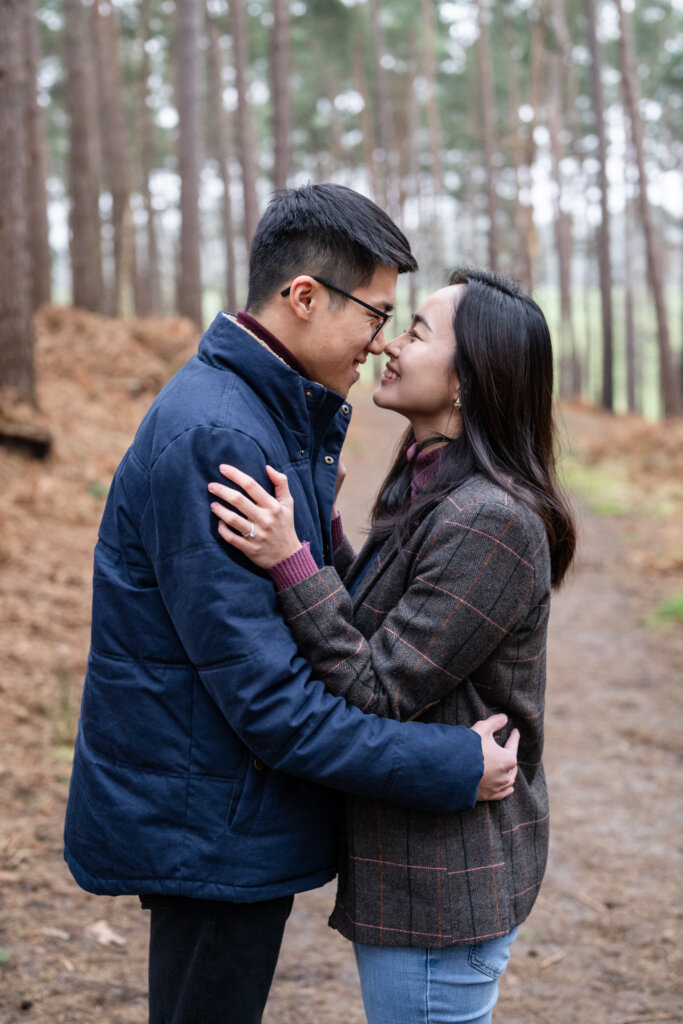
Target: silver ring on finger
[251,532]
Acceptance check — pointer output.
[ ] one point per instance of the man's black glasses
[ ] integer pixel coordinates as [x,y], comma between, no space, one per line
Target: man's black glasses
[384,318]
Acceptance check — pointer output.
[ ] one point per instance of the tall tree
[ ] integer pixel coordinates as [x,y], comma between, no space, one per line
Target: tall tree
[669,385]
[188,33]
[434,127]
[245,129]
[488,127]
[84,159]
[281,92]
[148,280]
[219,133]
[558,60]
[603,234]
[37,163]
[17,375]
[115,155]
[384,111]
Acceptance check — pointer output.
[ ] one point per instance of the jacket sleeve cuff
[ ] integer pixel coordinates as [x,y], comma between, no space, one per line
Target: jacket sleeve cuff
[337,531]
[294,568]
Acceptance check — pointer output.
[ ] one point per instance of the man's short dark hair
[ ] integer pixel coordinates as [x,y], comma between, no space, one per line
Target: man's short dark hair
[327,230]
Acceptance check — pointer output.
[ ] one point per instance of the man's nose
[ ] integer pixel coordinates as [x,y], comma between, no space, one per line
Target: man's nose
[377,344]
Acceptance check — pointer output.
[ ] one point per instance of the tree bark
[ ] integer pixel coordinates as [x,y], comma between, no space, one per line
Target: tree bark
[219,124]
[188,29]
[84,160]
[17,374]
[670,393]
[488,124]
[37,164]
[245,131]
[281,92]
[603,234]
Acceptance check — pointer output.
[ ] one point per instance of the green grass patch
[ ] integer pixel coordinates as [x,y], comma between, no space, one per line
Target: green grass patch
[96,489]
[667,614]
[606,488]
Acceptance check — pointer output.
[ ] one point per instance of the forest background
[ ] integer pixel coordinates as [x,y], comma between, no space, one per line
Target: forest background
[139,143]
[542,138]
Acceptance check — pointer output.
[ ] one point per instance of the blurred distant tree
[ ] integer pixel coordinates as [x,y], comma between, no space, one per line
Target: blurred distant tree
[148,281]
[218,135]
[281,92]
[669,385]
[603,239]
[84,159]
[558,61]
[245,128]
[488,127]
[434,128]
[115,154]
[36,170]
[17,377]
[187,39]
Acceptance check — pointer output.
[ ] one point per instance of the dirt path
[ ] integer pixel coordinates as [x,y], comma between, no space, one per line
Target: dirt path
[603,943]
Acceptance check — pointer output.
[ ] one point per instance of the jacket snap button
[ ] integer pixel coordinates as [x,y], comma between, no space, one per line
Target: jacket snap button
[345,410]
[329,460]
[309,393]
[259,765]
[302,451]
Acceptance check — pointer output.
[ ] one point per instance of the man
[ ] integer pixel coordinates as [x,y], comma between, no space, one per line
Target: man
[203,736]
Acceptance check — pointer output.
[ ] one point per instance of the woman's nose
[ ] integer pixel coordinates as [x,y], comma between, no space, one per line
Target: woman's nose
[394,346]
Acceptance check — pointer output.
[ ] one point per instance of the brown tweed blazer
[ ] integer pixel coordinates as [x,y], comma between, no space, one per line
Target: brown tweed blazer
[451,630]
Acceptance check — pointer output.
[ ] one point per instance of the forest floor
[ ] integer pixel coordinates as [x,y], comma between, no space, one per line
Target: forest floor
[603,944]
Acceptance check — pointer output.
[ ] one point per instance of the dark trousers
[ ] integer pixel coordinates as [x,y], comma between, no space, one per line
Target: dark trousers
[212,962]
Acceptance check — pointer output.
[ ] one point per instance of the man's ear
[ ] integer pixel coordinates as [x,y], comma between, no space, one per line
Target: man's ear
[303,296]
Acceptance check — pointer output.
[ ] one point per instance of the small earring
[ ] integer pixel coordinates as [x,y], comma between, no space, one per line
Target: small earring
[457,402]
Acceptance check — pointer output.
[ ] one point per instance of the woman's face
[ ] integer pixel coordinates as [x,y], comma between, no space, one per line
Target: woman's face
[419,380]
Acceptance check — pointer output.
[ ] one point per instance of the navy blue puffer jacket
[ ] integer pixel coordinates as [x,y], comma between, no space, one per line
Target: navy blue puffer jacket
[205,745]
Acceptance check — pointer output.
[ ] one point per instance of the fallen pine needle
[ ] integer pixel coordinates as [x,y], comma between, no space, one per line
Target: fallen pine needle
[649,1017]
[588,901]
[550,960]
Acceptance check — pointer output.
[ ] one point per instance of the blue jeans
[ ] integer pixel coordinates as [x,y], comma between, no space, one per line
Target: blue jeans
[432,986]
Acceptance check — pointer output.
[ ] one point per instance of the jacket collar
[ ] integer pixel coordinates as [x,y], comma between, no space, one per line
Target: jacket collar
[304,406]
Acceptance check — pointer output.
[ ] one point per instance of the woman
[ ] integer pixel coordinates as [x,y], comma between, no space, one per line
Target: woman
[443,615]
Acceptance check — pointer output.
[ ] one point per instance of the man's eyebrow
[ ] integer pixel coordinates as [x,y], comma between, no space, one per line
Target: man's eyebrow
[419,319]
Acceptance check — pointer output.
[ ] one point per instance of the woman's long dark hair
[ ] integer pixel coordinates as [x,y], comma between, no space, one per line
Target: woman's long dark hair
[503,359]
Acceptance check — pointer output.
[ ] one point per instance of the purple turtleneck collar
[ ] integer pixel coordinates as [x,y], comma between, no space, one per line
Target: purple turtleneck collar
[424,466]
[273,343]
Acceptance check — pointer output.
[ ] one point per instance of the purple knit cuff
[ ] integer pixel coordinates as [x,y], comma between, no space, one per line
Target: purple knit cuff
[337,531]
[294,568]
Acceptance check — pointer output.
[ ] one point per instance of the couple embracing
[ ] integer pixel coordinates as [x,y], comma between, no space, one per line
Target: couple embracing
[263,708]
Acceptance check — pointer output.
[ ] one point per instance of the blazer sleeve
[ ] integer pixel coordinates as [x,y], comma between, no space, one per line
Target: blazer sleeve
[226,616]
[472,582]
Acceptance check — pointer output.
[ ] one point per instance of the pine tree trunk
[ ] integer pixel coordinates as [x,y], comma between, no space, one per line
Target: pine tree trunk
[435,132]
[17,375]
[488,124]
[366,116]
[188,30]
[148,291]
[631,398]
[385,116]
[245,131]
[115,156]
[671,396]
[36,170]
[281,91]
[218,121]
[604,257]
[84,159]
